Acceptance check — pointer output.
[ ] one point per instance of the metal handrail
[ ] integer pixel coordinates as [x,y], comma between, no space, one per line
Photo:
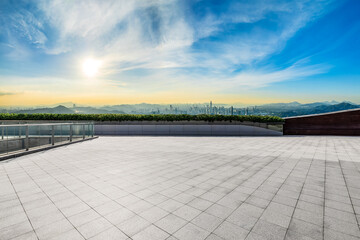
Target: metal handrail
[42,124]
[20,137]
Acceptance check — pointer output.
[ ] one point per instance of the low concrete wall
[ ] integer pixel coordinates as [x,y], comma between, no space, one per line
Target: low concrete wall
[178,128]
[184,130]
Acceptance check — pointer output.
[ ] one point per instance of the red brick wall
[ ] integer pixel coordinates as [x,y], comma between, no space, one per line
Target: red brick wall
[336,123]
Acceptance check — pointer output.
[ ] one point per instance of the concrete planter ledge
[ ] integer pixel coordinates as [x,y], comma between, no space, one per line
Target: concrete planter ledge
[183,130]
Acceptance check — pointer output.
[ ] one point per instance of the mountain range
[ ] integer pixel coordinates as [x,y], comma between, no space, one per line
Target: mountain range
[275,109]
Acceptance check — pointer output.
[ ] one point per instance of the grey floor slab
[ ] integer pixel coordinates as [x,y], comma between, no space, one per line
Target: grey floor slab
[298,187]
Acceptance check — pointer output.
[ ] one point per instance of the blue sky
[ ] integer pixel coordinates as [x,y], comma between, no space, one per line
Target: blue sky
[179,51]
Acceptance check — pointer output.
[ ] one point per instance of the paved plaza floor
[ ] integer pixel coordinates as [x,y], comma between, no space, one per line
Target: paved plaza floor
[186,188]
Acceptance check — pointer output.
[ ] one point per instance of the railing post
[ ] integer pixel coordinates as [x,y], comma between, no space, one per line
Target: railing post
[92,130]
[2,132]
[27,142]
[83,130]
[7,142]
[52,134]
[71,132]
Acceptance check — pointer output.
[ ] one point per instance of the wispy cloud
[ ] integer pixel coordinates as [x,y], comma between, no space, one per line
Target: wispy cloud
[222,43]
[6,93]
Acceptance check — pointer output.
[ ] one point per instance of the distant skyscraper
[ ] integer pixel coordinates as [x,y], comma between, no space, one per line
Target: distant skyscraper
[211,110]
[232,110]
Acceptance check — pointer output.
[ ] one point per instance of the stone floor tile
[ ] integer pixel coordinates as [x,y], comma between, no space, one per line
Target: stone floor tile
[154,214]
[307,229]
[187,212]
[281,208]
[200,204]
[245,221]
[308,216]
[43,220]
[231,231]
[27,236]
[219,211]
[310,207]
[207,221]
[339,206]
[291,235]
[15,230]
[190,231]
[250,210]
[171,223]
[12,220]
[133,225]
[269,230]
[230,202]
[341,215]
[334,235]
[119,216]
[284,200]
[75,209]
[184,198]
[341,226]
[112,233]
[107,207]
[94,227]
[151,233]
[212,197]
[254,236]
[83,217]
[170,205]
[256,201]
[36,203]
[276,218]
[156,199]
[54,229]
[70,235]
[10,211]
[172,238]
[139,206]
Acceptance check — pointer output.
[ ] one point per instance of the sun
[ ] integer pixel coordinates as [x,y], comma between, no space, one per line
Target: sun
[90,67]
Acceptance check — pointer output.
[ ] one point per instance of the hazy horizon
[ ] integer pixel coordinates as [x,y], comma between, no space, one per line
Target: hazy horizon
[71,104]
[114,52]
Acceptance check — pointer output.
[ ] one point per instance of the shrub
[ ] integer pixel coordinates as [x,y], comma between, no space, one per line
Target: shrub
[139,117]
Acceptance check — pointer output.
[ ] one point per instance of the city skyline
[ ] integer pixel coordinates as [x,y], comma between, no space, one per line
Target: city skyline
[126,52]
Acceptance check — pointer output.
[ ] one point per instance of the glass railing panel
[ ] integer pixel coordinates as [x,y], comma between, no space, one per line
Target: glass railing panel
[33,139]
[77,132]
[65,133]
[45,134]
[14,141]
[17,137]
[3,140]
[57,134]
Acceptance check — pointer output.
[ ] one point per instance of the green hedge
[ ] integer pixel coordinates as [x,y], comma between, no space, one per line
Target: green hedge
[138,117]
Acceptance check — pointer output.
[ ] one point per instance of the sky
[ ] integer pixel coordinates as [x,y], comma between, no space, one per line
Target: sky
[187,51]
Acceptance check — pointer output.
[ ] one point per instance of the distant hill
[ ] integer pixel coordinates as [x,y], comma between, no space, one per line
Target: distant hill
[59,109]
[92,110]
[318,109]
[64,110]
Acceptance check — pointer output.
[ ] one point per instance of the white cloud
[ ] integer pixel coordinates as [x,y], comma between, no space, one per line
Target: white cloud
[261,78]
[157,35]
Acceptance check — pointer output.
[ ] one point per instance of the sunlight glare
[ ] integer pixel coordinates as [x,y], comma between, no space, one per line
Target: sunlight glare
[91,67]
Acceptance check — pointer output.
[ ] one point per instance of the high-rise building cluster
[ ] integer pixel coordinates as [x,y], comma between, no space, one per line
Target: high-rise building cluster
[194,109]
